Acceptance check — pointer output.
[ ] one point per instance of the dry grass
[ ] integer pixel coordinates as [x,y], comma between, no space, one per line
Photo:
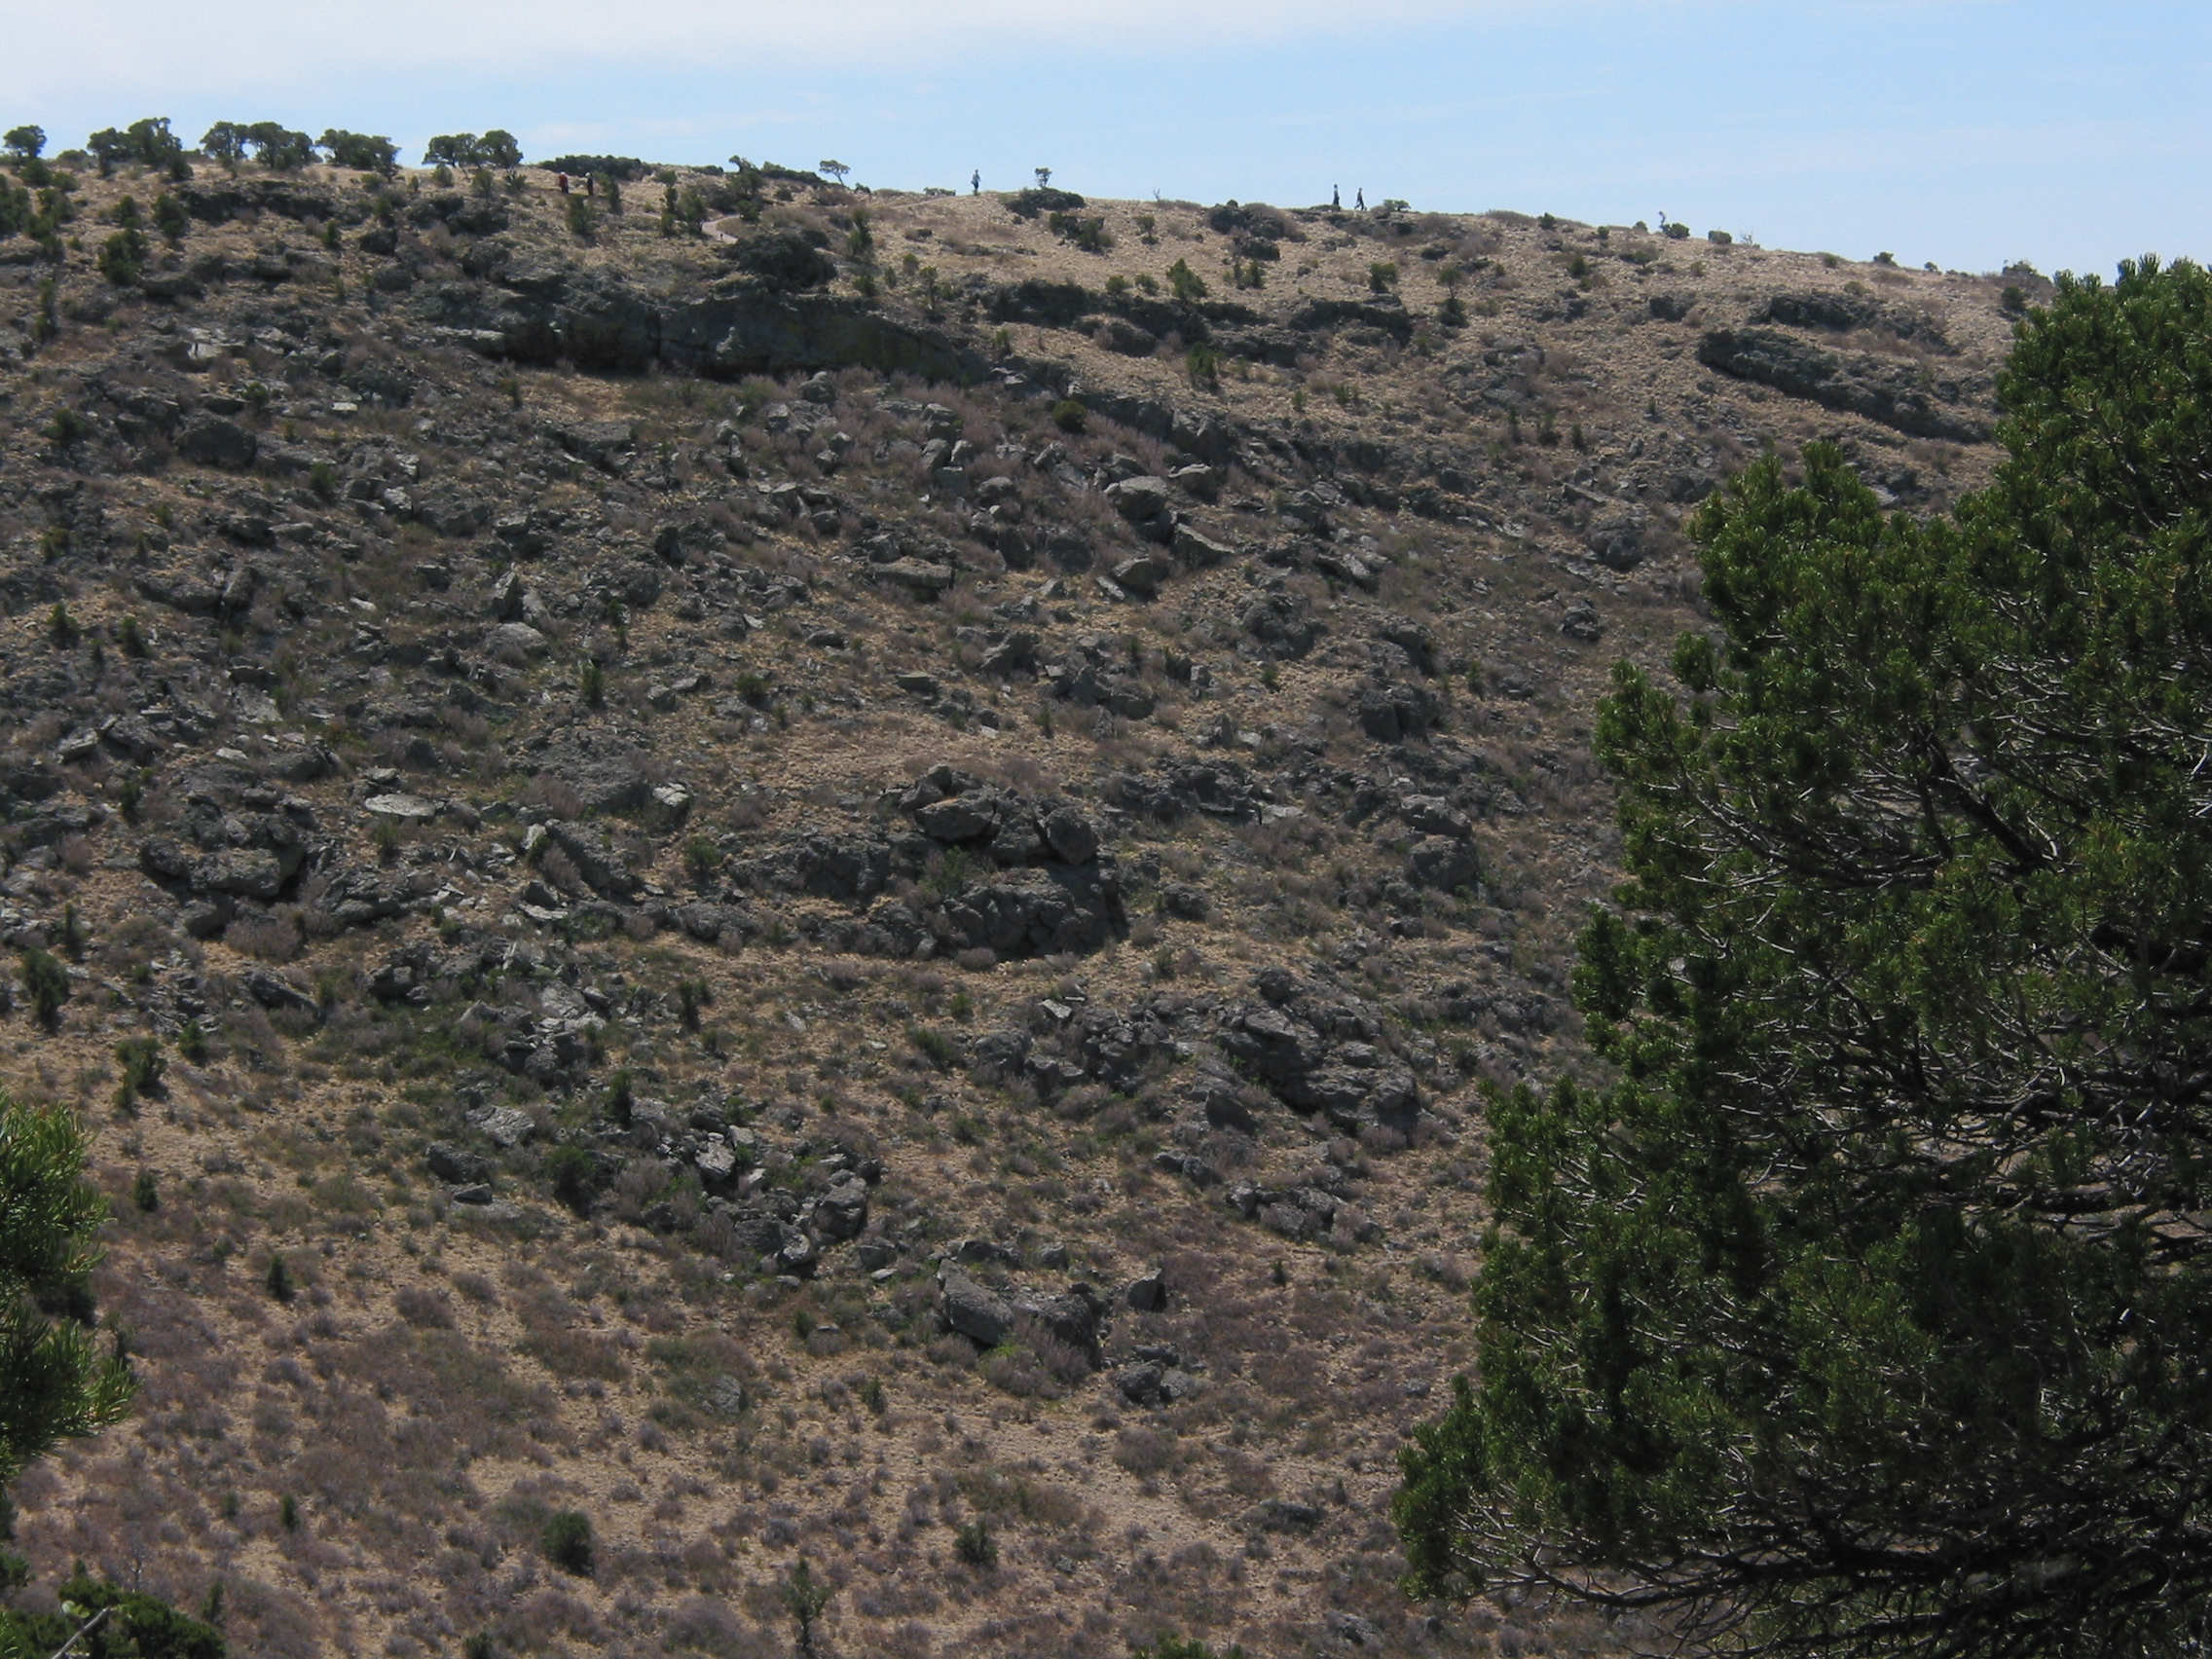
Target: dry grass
[448,1375]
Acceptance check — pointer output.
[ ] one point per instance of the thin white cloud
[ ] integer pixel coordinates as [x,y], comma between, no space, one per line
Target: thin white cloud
[156,45]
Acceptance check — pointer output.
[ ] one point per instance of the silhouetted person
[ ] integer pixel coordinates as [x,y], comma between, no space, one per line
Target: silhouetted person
[976,184]
[1336,197]
[1359,198]
[591,185]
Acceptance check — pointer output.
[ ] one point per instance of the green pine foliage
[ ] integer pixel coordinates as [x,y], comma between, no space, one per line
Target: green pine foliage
[55,1384]
[137,1624]
[1865,1310]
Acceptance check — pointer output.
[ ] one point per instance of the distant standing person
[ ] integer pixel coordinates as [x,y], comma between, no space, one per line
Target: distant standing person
[563,180]
[1336,197]
[975,182]
[1359,198]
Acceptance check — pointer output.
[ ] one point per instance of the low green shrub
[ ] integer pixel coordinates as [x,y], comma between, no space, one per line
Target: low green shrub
[567,1542]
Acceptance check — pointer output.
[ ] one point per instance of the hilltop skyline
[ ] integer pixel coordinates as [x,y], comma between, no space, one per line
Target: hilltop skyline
[1967,135]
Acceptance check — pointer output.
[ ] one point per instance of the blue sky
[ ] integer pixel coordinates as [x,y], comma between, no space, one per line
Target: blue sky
[1969,133]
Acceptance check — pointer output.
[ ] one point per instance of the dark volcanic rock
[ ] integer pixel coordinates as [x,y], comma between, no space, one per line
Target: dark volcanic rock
[212,441]
[1904,396]
[1319,1052]
[595,858]
[540,309]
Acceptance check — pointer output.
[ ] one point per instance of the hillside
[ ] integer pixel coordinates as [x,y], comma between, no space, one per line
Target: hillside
[836,871]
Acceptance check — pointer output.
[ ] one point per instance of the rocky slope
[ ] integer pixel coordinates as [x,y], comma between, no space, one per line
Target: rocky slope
[836,872]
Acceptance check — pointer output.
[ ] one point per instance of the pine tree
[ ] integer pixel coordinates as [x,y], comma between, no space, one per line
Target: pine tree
[1865,1312]
[55,1385]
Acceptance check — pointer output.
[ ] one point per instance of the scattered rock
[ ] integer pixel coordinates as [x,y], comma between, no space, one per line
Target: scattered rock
[605,444]
[1583,623]
[974,1312]
[211,440]
[842,1212]
[456,1168]
[1619,537]
[516,640]
[1146,1293]
[401,808]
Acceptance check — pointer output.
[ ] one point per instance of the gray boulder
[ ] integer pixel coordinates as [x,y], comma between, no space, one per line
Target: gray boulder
[1141,576]
[1393,713]
[211,440]
[515,639]
[1617,537]
[973,1312]
[602,443]
[456,1167]
[504,602]
[1443,863]
[1198,549]
[1073,1318]
[843,1212]
[1073,837]
[1032,913]
[1148,1293]
[1149,1383]
[1144,501]
[504,1124]
[1583,623]
[248,873]
[1140,496]
[595,858]
[1433,814]
[716,1163]
[964,818]
[917,577]
[799,1255]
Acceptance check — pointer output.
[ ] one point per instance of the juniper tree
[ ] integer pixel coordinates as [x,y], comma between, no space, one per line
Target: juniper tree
[108,147]
[362,152]
[495,149]
[277,147]
[1864,1310]
[148,142]
[225,142]
[154,145]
